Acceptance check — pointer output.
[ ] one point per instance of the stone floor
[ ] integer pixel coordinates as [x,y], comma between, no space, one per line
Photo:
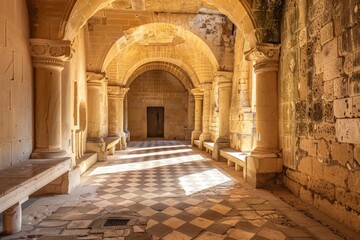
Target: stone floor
[166,190]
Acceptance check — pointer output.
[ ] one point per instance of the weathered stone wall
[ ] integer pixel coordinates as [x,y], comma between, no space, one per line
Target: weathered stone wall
[319,120]
[16,84]
[158,89]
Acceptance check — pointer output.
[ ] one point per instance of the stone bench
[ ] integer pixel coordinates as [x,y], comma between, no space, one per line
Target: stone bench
[110,144]
[209,146]
[19,181]
[197,142]
[235,158]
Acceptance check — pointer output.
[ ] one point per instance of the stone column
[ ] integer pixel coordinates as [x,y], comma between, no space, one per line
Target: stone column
[224,83]
[48,58]
[264,161]
[95,141]
[205,134]
[198,95]
[116,114]
[126,119]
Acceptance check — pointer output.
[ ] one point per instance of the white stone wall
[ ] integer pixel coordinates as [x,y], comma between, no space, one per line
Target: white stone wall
[158,88]
[16,84]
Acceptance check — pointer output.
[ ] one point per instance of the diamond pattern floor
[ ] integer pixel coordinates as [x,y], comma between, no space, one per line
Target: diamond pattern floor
[173,192]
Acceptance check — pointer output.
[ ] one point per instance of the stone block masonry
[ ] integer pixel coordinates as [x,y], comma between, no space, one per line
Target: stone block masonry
[322,165]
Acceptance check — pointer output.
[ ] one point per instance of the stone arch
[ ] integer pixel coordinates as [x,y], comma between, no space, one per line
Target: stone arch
[237,11]
[164,66]
[171,62]
[158,34]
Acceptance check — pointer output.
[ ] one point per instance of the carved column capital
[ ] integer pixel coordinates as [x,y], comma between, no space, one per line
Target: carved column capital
[50,53]
[117,91]
[197,92]
[95,79]
[223,79]
[266,57]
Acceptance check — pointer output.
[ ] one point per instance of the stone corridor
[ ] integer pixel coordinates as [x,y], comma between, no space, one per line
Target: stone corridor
[167,190]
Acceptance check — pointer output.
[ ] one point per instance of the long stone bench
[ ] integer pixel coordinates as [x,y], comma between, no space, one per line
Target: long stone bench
[110,144]
[19,181]
[209,146]
[197,142]
[235,158]
[102,147]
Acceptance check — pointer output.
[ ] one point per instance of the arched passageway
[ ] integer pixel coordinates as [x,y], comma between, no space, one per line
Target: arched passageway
[80,78]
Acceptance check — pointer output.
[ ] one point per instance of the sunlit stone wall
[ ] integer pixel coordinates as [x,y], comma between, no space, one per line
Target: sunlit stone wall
[319,105]
[16,84]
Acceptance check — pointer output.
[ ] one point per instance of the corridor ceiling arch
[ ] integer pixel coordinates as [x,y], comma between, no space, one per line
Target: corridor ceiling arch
[159,35]
[237,11]
[171,68]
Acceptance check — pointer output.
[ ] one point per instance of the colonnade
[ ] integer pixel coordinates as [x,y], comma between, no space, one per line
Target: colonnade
[264,160]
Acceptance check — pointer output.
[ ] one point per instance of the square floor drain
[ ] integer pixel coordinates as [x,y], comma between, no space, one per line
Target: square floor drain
[112,222]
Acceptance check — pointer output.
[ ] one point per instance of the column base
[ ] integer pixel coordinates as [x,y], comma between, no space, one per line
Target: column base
[202,138]
[194,136]
[263,168]
[48,153]
[220,143]
[127,133]
[97,145]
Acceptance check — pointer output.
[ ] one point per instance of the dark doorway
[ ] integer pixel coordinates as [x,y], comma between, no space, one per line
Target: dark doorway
[155,122]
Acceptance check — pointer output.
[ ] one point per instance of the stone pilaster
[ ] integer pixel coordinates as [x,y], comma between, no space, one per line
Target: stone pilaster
[223,80]
[126,119]
[96,82]
[49,59]
[198,96]
[205,134]
[116,96]
[264,161]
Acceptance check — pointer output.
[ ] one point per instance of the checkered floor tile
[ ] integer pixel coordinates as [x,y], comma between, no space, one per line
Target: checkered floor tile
[173,190]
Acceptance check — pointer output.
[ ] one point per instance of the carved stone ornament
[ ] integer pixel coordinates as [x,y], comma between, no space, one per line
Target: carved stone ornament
[266,57]
[164,34]
[50,53]
[197,92]
[117,91]
[95,79]
[223,79]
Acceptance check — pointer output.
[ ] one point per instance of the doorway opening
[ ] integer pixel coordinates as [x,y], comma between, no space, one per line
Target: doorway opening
[155,122]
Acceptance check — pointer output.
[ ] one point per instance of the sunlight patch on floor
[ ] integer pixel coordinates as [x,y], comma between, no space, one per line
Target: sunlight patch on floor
[197,182]
[130,149]
[138,166]
[153,154]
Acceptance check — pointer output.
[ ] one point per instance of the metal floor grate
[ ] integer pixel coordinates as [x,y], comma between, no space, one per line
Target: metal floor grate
[110,222]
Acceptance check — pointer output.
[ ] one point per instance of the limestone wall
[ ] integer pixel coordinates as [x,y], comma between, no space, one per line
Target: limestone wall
[156,89]
[319,110]
[16,84]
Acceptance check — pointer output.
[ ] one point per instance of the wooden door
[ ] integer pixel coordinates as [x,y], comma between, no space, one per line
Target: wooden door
[155,122]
